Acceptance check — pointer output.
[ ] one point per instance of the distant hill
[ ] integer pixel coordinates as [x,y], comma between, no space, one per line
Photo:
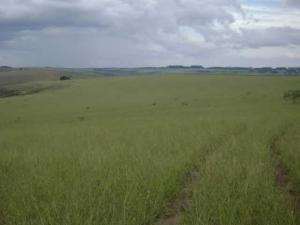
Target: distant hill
[11,75]
[19,75]
[194,69]
[5,68]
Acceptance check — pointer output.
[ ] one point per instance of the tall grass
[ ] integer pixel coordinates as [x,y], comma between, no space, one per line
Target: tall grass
[238,186]
[101,152]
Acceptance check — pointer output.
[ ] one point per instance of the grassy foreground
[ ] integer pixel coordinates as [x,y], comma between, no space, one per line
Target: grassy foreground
[115,151]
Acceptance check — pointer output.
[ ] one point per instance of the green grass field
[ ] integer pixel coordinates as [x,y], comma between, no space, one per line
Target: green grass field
[117,151]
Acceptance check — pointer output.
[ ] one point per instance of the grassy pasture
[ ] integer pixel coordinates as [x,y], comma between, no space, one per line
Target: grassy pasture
[28,81]
[115,150]
[18,76]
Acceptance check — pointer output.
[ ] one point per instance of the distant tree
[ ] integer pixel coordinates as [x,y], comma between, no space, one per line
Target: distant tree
[176,67]
[65,77]
[197,67]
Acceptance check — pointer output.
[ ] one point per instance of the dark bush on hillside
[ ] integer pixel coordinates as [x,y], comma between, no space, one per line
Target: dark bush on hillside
[65,78]
[291,95]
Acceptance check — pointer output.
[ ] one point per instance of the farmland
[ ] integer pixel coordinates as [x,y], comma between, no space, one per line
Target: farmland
[160,149]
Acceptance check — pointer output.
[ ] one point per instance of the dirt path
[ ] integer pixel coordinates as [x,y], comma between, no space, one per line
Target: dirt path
[283,180]
[181,202]
[2,220]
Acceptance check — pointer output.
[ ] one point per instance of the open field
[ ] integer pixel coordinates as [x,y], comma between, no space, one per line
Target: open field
[121,150]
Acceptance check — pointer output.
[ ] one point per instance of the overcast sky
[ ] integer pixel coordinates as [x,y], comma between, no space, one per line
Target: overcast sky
[128,33]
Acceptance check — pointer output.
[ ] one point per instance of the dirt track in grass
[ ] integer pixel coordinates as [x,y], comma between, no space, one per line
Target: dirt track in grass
[181,201]
[283,180]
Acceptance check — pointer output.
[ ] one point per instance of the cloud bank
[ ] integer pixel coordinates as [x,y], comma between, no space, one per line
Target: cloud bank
[295,3]
[104,33]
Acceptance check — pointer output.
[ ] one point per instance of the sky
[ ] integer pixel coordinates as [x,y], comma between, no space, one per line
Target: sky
[134,33]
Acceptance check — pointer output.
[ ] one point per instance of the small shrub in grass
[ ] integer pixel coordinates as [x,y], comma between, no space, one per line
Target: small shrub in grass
[292,95]
[65,78]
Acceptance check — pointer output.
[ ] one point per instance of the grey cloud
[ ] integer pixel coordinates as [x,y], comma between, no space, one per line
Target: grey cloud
[272,36]
[145,23]
[292,3]
[128,32]
[116,14]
